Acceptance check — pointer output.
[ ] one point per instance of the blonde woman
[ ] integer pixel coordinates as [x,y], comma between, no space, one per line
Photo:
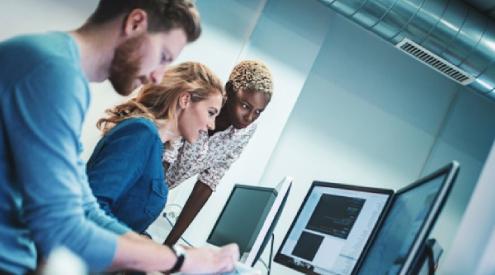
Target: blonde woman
[125,170]
[249,90]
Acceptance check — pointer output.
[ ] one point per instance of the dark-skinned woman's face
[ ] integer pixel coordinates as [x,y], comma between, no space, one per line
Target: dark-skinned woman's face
[245,106]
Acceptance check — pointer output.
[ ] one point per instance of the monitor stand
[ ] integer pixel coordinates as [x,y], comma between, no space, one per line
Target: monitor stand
[429,258]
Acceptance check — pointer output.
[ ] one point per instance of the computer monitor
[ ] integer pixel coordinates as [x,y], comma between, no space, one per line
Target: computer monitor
[332,228]
[249,217]
[407,224]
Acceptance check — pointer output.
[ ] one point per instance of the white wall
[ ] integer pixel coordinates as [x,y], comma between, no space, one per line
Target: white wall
[28,16]
[474,246]
[466,136]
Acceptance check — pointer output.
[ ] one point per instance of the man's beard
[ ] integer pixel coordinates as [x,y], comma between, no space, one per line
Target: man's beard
[125,65]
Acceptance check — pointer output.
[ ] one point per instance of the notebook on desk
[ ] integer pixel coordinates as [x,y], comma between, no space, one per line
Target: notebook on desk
[344,229]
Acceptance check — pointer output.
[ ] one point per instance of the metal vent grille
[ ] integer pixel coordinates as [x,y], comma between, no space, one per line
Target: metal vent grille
[435,61]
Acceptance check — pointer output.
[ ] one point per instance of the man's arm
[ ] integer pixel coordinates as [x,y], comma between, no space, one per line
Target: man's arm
[135,252]
[45,111]
[97,215]
[197,199]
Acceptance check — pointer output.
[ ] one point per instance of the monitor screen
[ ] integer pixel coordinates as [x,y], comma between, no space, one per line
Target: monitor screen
[332,228]
[269,223]
[242,216]
[407,223]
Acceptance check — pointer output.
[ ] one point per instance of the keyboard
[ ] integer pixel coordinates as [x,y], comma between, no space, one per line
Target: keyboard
[242,269]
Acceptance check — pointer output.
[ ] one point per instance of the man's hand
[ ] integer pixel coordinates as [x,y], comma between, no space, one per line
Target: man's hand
[135,252]
[209,260]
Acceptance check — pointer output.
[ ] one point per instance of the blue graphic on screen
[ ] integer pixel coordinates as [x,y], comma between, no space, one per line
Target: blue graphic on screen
[401,227]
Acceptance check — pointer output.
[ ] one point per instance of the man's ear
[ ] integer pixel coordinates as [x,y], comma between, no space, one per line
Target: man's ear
[136,23]
[184,100]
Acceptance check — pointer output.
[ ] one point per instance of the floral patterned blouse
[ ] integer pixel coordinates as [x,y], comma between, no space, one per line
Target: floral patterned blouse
[210,157]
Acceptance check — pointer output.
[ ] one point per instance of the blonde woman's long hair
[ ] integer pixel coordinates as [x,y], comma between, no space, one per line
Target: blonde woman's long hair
[160,101]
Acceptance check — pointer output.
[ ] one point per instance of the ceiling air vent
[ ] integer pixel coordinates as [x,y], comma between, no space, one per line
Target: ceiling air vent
[434,61]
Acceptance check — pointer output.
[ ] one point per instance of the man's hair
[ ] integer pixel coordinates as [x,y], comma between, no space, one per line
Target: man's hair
[163,15]
[251,75]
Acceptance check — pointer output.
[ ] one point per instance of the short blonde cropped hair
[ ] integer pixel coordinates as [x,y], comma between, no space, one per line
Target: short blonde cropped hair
[252,75]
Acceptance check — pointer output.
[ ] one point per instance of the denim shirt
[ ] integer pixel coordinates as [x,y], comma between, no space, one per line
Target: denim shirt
[126,173]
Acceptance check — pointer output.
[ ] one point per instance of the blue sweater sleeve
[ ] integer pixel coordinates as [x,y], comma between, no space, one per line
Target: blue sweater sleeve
[118,160]
[97,215]
[44,115]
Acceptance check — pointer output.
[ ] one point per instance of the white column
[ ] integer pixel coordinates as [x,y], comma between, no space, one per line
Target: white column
[470,252]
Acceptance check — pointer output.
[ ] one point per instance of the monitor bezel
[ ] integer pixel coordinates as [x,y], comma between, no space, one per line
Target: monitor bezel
[287,260]
[285,187]
[451,170]
[245,186]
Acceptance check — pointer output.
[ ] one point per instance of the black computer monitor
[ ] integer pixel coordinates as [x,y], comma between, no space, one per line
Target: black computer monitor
[332,228]
[249,217]
[407,224]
